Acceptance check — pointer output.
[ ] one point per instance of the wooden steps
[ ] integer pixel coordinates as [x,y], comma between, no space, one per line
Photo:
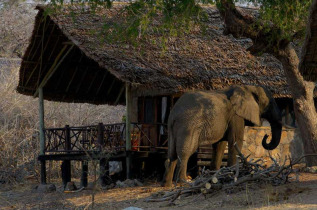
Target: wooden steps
[204,155]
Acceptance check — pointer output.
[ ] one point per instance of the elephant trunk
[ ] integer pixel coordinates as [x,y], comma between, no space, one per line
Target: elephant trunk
[276,129]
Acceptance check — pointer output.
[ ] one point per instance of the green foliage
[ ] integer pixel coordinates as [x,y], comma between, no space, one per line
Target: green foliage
[168,18]
[290,16]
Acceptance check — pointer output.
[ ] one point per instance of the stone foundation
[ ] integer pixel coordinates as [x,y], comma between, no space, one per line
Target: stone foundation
[290,145]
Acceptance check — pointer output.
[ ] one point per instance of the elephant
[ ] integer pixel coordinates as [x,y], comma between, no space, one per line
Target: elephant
[217,117]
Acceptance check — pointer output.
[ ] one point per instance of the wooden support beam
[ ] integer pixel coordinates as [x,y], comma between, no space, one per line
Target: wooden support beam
[84,174]
[41,121]
[128,98]
[92,82]
[102,81]
[54,67]
[119,96]
[104,173]
[72,79]
[53,49]
[42,135]
[101,136]
[66,172]
[48,39]
[81,80]
[68,143]
[111,86]
[43,171]
[37,32]
[39,62]
[59,80]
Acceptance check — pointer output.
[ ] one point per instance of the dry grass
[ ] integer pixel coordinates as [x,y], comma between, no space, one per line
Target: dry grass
[16,21]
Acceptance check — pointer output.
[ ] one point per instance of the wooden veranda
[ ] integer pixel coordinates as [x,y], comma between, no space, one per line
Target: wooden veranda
[101,142]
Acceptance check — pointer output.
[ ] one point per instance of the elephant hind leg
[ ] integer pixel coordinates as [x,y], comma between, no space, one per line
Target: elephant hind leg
[182,173]
[169,172]
[217,154]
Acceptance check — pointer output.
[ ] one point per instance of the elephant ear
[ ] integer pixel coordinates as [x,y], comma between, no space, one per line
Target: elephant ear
[245,105]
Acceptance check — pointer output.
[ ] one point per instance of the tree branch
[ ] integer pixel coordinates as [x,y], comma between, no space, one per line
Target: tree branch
[265,38]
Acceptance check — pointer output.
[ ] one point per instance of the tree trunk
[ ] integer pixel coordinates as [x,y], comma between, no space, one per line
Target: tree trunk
[302,91]
[303,96]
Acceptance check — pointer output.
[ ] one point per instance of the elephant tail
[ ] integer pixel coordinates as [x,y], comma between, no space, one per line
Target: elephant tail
[171,142]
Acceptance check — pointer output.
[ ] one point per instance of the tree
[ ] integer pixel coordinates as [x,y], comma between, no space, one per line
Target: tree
[278,26]
[275,38]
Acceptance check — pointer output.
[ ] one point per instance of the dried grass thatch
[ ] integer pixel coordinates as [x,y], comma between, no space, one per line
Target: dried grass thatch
[197,61]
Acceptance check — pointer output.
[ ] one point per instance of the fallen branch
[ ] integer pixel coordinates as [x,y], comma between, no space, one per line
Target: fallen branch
[211,182]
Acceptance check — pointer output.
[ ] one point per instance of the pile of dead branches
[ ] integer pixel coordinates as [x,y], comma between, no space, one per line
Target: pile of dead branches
[229,177]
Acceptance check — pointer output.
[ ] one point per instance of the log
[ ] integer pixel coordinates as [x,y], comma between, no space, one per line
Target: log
[214,180]
[207,185]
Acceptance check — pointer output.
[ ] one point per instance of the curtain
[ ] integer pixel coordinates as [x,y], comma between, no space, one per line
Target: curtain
[164,106]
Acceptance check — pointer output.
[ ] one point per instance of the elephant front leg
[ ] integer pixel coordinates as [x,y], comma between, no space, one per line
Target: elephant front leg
[217,154]
[235,135]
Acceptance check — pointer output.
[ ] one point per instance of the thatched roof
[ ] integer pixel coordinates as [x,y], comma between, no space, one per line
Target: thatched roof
[308,66]
[95,71]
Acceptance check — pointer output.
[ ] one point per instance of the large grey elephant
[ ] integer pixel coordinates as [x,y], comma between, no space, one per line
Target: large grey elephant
[213,117]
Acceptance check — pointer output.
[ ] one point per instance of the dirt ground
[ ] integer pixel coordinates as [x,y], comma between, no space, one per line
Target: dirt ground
[294,195]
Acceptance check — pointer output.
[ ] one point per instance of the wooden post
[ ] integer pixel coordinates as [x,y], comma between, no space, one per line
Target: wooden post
[67,138]
[128,99]
[66,172]
[84,173]
[42,135]
[104,171]
[66,165]
[100,136]
[102,162]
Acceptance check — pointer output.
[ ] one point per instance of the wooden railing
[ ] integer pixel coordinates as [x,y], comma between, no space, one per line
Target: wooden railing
[111,137]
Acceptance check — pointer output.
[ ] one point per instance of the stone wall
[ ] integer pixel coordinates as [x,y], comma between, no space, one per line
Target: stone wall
[290,145]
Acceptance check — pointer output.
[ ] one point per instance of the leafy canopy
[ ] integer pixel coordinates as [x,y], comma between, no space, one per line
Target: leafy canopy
[290,16]
[177,17]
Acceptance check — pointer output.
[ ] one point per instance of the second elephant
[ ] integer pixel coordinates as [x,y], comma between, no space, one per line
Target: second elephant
[212,117]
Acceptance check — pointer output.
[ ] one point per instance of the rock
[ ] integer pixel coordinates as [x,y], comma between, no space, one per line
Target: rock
[128,183]
[115,167]
[45,188]
[132,208]
[120,184]
[138,183]
[70,186]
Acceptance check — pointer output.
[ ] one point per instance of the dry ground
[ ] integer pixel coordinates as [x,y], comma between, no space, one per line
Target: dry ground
[295,195]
